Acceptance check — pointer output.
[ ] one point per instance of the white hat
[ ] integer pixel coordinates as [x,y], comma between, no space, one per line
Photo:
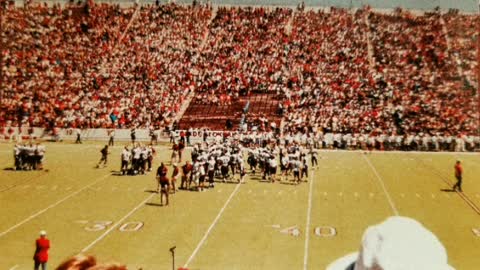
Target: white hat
[43,233]
[383,247]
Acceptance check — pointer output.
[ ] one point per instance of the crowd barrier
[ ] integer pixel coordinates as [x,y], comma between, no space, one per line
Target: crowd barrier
[15,134]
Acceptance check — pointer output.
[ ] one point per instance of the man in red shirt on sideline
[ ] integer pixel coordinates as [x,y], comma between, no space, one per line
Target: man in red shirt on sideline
[41,252]
[458,175]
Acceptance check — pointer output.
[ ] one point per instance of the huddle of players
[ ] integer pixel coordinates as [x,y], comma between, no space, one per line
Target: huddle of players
[293,160]
[225,160]
[137,160]
[209,161]
[222,160]
[29,156]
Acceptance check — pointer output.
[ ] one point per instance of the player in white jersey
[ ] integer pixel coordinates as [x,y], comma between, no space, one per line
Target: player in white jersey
[125,157]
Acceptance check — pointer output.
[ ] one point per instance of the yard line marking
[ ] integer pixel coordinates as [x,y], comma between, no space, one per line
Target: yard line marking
[390,201]
[13,267]
[52,205]
[118,223]
[307,226]
[209,230]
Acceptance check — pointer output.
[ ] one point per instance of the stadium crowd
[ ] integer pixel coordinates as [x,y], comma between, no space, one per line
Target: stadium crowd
[360,74]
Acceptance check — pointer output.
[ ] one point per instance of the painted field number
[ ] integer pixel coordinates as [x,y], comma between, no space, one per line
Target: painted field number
[95,226]
[98,226]
[325,231]
[132,226]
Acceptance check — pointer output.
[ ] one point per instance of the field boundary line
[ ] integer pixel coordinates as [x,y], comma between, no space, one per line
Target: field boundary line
[53,205]
[118,223]
[382,183]
[462,195]
[307,226]
[209,230]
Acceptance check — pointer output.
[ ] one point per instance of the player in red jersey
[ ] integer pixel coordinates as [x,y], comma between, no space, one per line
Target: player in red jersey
[175,174]
[163,182]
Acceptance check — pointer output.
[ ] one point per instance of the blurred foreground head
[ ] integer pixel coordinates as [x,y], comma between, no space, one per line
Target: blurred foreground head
[83,262]
[398,243]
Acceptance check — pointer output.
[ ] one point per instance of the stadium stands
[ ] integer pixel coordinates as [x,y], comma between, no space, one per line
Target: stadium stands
[336,70]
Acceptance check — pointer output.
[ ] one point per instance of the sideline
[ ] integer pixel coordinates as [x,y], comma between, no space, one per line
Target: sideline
[382,183]
[53,205]
[207,233]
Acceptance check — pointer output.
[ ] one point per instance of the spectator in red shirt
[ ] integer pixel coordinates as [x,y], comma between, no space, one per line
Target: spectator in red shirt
[41,251]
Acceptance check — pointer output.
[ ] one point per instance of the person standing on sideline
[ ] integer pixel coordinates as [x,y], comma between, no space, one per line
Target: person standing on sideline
[41,251]
[111,135]
[79,134]
[458,175]
[133,135]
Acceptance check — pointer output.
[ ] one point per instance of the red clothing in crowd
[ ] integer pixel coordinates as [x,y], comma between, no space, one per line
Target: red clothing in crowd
[41,252]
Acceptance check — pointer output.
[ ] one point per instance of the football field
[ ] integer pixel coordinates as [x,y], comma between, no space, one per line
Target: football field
[256,225]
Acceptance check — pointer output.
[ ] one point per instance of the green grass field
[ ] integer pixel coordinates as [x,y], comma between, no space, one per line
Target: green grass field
[247,226]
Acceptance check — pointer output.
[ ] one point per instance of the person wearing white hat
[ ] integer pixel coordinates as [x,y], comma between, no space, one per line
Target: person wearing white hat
[398,243]
[41,251]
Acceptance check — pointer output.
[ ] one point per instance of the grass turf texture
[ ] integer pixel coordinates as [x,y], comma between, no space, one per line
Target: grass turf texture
[118,218]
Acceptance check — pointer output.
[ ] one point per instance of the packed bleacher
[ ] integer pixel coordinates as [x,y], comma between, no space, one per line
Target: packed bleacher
[357,72]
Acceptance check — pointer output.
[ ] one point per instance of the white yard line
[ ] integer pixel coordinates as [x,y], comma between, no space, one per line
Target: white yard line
[307,226]
[118,223]
[52,205]
[13,267]
[207,233]
[380,180]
